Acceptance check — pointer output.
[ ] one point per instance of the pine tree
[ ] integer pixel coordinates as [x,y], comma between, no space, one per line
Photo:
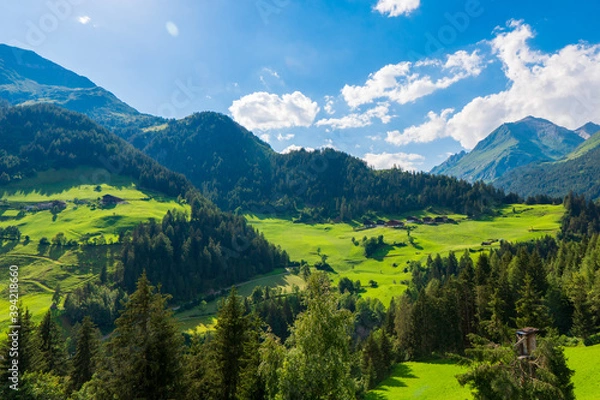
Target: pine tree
[52,346]
[146,349]
[531,310]
[228,347]
[84,360]
[28,352]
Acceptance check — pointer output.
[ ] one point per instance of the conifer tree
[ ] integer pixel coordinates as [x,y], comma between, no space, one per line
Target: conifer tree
[52,346]
[84,360]
[145,351]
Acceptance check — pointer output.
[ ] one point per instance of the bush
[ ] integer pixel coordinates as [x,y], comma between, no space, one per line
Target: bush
[592,340]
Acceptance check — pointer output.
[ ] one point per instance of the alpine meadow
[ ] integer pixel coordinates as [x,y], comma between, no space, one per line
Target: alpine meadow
[283,200]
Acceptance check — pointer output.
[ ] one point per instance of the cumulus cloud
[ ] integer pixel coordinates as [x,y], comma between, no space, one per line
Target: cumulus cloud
[294,147]
[563,86]
[427,132]
[265,111]
[283,138]
[395,8]
[359,120]
[408,162]
[406,82]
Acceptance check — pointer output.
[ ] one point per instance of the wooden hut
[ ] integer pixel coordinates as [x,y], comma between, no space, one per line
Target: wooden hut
[526,341]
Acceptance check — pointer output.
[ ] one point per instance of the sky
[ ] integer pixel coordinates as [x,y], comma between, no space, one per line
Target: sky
[394,82]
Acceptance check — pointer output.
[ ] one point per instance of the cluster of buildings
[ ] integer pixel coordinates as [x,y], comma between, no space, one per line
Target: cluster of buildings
[410,220]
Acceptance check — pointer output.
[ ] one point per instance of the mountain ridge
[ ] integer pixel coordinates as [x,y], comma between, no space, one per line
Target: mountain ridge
[511,145]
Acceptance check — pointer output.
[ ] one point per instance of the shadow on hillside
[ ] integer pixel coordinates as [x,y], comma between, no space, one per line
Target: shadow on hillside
[7,245]
[91,177]
[401,372]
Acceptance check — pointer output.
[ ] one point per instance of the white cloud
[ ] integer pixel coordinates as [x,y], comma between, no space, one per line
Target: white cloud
[329,102]
[563,87]
[408,162]
[427,132]
[374,138]
[172,29]
[357,120]
[265,137]
[269,77]
[405,82]
[286,137]
[84,19]
[294,147]
[395,8]
[264,111]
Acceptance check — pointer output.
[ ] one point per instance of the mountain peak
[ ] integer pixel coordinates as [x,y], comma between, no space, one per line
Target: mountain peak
[588,130]
[529,140]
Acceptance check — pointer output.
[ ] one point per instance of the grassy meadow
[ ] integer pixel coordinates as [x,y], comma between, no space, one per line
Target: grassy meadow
[42,268]
[429,380]
[387,267]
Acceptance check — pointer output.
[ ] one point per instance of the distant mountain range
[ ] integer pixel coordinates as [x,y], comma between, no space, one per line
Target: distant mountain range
[579,172]
[510,146]
[26,78]
[533,157]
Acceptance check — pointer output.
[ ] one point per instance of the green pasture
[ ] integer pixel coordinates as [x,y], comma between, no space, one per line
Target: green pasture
[387,268]
[429,380]
[42,268]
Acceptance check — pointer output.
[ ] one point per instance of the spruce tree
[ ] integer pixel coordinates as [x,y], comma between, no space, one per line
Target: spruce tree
[52,346]
[146,349]
[84,360]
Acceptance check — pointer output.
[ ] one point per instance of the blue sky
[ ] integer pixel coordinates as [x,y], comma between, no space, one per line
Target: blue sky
[403,82]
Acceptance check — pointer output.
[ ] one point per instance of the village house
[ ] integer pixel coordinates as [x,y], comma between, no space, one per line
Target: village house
[108,200]
[413,219]
[394,224]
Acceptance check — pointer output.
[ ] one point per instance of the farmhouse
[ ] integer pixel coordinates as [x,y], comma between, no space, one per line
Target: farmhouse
[368,223]
[47,206]
[414,219]
[394,224]
[108,199]
[440,220]
[380,222]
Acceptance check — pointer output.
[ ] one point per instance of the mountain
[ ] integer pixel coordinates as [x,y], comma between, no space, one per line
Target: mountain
[234,168]
[26,78]
[530,140]
[44,151]
[44,137]
[579,172]
[230,164]
[588,130]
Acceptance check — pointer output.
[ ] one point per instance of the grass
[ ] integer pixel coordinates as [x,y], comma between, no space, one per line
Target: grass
[42,268]
[203,318]
[437,379]
[307,242]
[426,380]
[584,360]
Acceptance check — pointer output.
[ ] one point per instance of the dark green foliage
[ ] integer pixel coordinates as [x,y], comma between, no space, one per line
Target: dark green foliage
[145,351]
[52,346]
[85,359]
[187,257]
[497,374]
[42,137]
[101,303]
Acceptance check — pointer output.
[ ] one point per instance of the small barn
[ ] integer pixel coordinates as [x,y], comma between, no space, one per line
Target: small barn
[368,223]
[380,222]
[394,224]
[526,341]
[413,219]
[108,200]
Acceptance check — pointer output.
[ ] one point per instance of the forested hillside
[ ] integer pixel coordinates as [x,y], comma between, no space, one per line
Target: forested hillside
[578,172]
[235,169]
